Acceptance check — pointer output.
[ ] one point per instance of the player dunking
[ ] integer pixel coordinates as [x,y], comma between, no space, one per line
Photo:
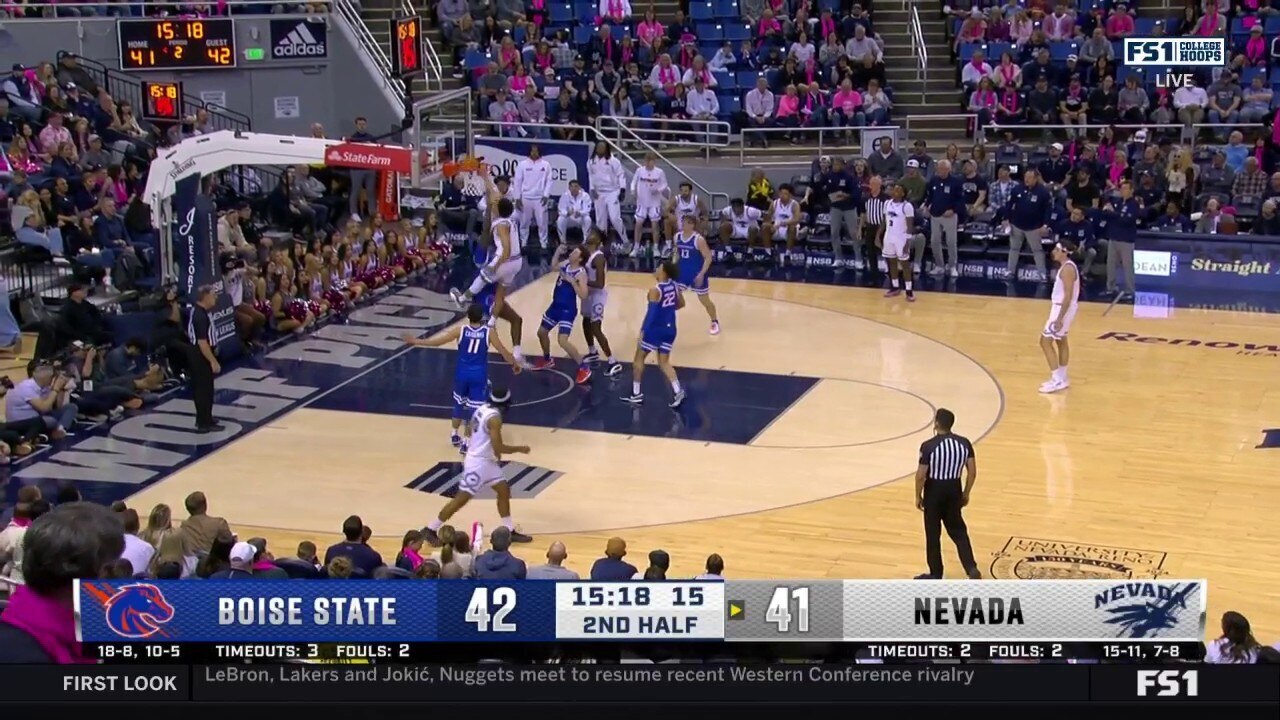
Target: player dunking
[471,373]
[658,333]
[593,305]
[1065,299]
[694,262]
[501,270]
[482,466]
[895,241]
[570,289]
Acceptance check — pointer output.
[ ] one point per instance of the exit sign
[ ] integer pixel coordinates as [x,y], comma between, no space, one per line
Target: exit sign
[255,54]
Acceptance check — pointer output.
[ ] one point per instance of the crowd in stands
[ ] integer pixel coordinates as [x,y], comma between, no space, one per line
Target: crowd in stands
[790,64]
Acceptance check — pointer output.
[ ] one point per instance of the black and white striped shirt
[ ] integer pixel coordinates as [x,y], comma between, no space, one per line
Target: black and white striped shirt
[946,455]
[873,208]
[200,327]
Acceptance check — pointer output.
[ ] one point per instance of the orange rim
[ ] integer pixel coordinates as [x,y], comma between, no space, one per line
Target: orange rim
[466,164]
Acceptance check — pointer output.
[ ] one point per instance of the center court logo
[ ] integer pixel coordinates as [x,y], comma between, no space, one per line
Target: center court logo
[137,611]
[1025,558]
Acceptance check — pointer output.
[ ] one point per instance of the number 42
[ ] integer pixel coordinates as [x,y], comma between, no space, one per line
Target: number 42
[503,602]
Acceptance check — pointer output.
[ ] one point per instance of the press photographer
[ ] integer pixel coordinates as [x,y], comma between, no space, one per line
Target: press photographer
[44,395]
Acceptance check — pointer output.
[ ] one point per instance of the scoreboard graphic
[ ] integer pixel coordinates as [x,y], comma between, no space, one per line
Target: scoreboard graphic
[544,611]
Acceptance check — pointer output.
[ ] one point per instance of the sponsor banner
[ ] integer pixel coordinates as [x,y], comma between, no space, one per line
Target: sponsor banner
[1236,345]
[367,156]
[193,235]
[389,195]
[299,39]
[568,160]
[1218,262]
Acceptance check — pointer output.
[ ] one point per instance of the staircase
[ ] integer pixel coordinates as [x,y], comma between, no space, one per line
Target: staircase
[919,99]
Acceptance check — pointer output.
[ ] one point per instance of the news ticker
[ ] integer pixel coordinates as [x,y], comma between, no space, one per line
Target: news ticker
[543,611]
[625,683]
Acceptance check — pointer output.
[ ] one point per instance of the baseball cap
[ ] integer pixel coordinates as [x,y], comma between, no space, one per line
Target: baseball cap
[1057,146]
[824,159]
[243,552]
[1255,29]
[18,67]
[1140,136]
[913,163]
[1072,57]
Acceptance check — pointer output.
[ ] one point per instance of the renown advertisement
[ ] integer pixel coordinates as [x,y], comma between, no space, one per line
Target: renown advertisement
[1207,261]
[193,235]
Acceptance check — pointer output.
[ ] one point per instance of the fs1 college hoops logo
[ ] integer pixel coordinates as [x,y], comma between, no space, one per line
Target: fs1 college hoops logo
[137,611]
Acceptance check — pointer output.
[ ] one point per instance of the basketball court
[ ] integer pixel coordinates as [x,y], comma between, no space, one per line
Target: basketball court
[793,455]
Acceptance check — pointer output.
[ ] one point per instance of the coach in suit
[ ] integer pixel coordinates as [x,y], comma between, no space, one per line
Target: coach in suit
[943,458]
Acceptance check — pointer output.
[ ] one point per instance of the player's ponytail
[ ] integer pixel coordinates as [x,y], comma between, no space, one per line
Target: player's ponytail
[447,534]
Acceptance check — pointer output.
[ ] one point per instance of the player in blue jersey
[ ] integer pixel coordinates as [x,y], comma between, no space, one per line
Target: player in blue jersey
[471,374]
[658,332]
[693,256]
[570,289]
[481,256]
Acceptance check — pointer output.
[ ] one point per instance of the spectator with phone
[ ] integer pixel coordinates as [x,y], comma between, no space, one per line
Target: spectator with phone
[43,395]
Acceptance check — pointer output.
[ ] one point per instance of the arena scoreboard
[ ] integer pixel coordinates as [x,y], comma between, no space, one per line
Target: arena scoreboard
[406,46]
[162,101]
[167,43]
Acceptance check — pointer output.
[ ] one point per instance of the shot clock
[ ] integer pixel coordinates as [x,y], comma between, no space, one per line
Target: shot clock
[163,101]
[176,43]
[406,46]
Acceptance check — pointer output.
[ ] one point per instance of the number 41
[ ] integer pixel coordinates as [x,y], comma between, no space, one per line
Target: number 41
[504,598]
[780,606]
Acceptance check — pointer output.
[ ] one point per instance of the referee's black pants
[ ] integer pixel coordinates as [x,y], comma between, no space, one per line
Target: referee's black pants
[869,233]
[201,375]
[942,500]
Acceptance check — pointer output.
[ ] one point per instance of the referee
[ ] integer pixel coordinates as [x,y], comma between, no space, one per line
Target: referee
[870,219]
[202,362]
[942,459]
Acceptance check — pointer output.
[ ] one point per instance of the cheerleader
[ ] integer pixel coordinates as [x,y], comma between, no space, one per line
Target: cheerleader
[369,272]
[413,251]
[393,256]
[344,271]
[311,287]
[289,314]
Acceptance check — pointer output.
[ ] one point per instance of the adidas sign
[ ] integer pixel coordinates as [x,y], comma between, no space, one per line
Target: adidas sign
[301,42]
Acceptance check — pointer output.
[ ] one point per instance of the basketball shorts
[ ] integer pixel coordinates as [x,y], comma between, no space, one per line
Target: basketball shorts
[560,317]
[780,231]
[659,340]
[688,281]
[652,213]
[470,391]
[1066,321]
[897,248]
[505,274]
[479,473]
[593,304]
[740,232]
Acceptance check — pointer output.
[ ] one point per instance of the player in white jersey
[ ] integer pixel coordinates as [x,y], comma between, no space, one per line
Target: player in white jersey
[649,185]
[594,303]
[894,242]
[574,211]
[502,183]
[685,203]
[506,263]
[532,187]
[607,180]
[783,222]
[740,221]
[482,466]
[1065,299]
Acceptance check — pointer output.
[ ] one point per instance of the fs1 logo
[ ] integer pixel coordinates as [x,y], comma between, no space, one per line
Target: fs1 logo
[1168,683]
[1171,52]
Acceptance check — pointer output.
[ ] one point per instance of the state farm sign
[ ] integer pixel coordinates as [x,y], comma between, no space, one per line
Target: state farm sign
[369,157]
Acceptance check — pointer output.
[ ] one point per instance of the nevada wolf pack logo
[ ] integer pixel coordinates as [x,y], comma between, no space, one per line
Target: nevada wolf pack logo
[1146,609]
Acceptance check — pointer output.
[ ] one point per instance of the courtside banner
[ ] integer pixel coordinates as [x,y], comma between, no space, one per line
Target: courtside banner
[1219,262]
[265,611]
[568,159]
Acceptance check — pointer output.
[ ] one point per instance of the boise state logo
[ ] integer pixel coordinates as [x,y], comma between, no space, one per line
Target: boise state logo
[137,611]
[1148,609]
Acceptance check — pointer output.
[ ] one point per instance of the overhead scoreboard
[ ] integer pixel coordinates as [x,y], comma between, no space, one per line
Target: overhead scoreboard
[395,621]
[169,43]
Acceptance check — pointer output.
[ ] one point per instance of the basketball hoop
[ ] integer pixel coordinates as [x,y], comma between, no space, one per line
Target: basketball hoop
[473,172]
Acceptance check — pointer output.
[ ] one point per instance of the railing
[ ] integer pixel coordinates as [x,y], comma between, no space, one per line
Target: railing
[825,144]
[349,14]
[631,134]
[714,133]
[919,49]
[434,69]
[124,87]
[1180,128]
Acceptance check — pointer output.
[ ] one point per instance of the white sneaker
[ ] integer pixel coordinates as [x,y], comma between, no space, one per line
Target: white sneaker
[915,268]
[637,250]
[837,263]
[882,266]
[859,265]
[955,272]
[937,271]
[1053,385]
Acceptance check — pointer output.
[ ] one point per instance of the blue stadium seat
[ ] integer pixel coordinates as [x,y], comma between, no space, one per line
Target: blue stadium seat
[1271,27]
[561,14]
[1144,26]
[1275,79]
[747,78]
[618,31]
[832,5]
[701,11]
[518,35]
[587,16]
[1124,71]
[582,35]
[475,60]
[1060,49]
[710,32]
[967,50]
[727,9]
[725,81]
[729,104]
[994,50]
[1118,47]
[1248,74]
[708,50]
[737,32]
